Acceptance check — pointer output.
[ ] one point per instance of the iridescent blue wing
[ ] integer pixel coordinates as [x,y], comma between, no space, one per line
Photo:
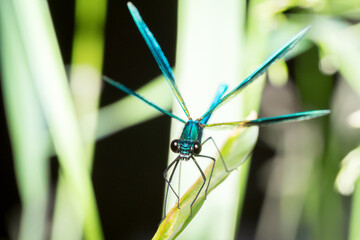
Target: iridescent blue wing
[158,55]
[258,72]
[300,116]
[131,92]
[220,92]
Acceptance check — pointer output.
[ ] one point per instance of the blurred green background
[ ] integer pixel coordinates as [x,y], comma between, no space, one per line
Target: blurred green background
[298,185]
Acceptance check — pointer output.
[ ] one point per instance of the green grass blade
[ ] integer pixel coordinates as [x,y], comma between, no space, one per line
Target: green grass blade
[43,57]
[87,64]
[86,72]
[347,183]
[210,50]
[29,138]
[354,232]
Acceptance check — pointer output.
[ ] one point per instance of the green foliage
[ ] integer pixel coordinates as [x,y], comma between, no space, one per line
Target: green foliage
[217,42]
[30,38]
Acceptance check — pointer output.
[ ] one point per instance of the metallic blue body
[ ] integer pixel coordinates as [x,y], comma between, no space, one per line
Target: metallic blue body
[191,133]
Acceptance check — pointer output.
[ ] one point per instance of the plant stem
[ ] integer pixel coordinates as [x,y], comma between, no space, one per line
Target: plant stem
[354,231]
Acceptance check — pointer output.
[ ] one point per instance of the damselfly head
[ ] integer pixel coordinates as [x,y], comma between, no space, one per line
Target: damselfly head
[185,148]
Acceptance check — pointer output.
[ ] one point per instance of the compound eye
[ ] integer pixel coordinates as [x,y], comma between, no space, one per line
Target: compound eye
[196,148]
[175,147]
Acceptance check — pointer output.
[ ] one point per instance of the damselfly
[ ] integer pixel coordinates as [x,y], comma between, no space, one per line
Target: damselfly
[189,145]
